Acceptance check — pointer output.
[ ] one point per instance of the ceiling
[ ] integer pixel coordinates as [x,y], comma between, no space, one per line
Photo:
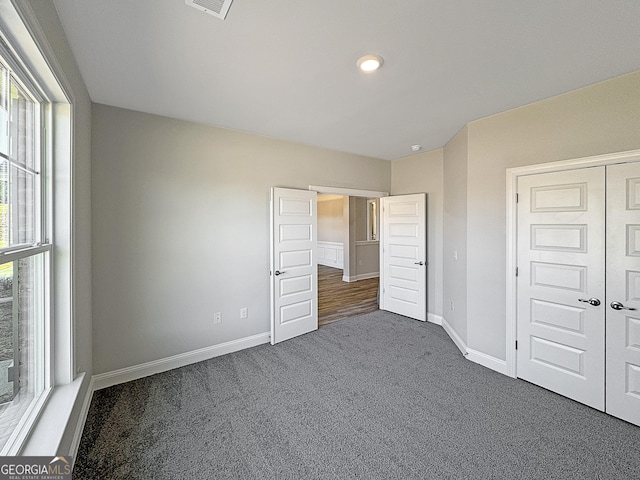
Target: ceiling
[287,68]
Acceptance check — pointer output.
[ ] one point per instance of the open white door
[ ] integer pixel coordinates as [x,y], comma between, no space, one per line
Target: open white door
[294,270]
[403,257]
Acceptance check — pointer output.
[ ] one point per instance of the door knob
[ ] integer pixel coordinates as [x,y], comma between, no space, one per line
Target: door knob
[418,263]
[278,272]
[592,301]
[619,306]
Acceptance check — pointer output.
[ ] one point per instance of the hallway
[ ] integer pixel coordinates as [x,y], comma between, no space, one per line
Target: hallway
[338,299]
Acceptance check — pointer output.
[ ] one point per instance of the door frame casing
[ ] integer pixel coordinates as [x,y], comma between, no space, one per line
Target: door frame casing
[347,192]
[512,175]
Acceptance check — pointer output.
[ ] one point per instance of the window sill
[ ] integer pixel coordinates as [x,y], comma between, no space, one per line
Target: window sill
[48,432]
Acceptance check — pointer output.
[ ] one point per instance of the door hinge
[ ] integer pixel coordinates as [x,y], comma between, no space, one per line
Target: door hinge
[517,197]
[516,344]
[516,271]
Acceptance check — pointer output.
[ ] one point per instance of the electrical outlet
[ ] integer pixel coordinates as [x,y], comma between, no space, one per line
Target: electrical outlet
[455,254]
[452,306]
[217,317]
[244,312]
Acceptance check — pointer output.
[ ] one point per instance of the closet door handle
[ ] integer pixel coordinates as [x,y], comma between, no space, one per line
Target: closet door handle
[418,263]
[278,272]
[619,306]
[592,301]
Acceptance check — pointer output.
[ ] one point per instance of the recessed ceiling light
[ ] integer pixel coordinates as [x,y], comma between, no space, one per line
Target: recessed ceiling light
[416,148]
[369,63]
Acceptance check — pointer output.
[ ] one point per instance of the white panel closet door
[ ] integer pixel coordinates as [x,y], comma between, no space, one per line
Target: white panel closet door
[294,268]
[623,287]
[403,257]
[561,235]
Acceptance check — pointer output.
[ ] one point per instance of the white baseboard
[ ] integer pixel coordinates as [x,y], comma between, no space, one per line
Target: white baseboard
[82,420]
[330,263]
[433,318]
[108,379]
[366,276]
[462,346]
[475,356]
[488,361]
[363,276]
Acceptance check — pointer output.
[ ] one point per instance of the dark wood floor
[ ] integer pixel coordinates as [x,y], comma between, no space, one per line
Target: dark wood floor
[338,299]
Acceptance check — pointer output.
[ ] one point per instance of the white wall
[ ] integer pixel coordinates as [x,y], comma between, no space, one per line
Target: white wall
[423,173]
[181,229]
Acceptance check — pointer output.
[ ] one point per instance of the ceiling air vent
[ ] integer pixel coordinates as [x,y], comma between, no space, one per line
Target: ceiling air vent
[217,8]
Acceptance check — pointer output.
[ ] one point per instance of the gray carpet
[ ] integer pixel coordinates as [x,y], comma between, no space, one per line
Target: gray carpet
[378,396]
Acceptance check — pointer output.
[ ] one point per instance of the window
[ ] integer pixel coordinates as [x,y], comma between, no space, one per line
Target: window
[24,251]
[372,219]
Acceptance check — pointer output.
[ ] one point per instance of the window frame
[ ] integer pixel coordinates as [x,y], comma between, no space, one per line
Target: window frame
[41,245]
[41,233]
[26,26]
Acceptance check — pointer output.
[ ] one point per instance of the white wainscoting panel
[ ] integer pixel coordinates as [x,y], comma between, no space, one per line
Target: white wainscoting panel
[331,254]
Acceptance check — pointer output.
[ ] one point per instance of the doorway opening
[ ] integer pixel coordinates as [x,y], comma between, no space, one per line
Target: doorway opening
[294,255]
[348,256]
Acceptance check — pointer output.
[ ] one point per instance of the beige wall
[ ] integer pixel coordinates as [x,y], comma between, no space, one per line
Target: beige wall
[191,170]
[466,181]
[423,173]
[602,118]
[367,254]
[181,229]
[368,259]
[330,220]
[455,233]
[361,219]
